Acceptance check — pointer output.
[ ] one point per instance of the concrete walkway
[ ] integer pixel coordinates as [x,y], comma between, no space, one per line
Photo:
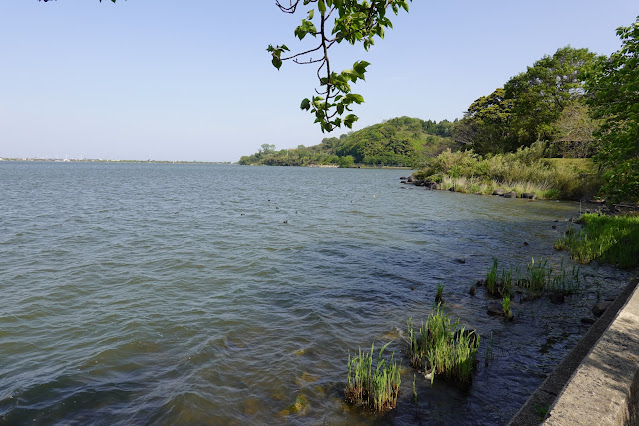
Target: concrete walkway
[598,382]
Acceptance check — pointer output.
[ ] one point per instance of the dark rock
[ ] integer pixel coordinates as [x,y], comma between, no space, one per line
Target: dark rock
[495,309]
[404,181]
[557,298]
[403,178]
[525,244]
[554,227]
[412,178]
[600,308]
[499,192]
[436,186]
[472,290]
[529,195]
[588,321]
[479,283]
[461,260]
[451,189]
[511,194]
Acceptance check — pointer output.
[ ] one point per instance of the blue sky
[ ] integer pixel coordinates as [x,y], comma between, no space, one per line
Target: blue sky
[191,80]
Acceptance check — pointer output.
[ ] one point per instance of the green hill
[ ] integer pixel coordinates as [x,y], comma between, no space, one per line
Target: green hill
[400,141]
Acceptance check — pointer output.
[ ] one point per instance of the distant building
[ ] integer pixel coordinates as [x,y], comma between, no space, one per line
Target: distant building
[578,143]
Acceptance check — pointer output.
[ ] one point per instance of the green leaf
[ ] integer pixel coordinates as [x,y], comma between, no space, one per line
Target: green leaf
[349,120]
[306,104]
[321,6]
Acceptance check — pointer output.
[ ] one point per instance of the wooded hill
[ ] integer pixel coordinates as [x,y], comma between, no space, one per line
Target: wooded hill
[400,141]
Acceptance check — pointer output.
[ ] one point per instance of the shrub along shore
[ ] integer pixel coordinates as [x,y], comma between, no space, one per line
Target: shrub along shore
[525,171]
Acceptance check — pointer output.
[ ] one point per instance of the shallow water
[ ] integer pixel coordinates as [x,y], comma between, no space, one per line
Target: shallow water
[164,294]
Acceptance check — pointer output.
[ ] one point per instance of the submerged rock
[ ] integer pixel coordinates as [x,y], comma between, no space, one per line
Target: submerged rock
[557,298]
[511,194]
[600,308]
[495,309]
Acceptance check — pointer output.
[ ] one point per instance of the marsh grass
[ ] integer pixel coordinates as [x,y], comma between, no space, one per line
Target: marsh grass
[609,239]
[505,303]
[376,388]
[540,278]
[523,171]
[443,348]
[491,279]
[500,283]
[440,294]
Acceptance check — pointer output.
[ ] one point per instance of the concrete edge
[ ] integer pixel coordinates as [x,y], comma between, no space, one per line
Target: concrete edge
[544,400]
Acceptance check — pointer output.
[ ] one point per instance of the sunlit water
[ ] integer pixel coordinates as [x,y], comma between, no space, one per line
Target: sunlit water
[166,294]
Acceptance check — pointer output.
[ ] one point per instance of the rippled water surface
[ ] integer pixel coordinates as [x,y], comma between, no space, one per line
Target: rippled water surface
[174,294]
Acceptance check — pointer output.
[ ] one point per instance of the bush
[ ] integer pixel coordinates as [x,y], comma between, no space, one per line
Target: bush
[525,170]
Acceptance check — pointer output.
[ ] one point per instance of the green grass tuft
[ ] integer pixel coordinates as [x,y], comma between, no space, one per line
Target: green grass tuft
[376,388]
[442,348]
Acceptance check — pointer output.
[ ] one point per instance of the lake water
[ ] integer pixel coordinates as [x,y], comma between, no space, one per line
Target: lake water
[200,294]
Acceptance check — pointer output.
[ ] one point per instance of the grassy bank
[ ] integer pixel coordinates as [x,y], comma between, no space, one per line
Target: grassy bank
[610,239]
[523,171]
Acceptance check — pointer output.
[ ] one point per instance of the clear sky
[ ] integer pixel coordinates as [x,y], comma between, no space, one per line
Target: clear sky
[191,79]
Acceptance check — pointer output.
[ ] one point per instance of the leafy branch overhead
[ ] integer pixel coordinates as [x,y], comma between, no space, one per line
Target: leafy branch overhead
[332,22]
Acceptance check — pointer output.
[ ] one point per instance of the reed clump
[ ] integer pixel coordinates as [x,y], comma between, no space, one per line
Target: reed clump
[539,279]
[542,279]
[375,387]
[610,239]
[505,303]
[443,348]
[439,296]
[500,283]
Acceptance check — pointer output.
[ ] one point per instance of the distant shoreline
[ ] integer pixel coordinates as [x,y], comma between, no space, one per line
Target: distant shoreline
[91,160]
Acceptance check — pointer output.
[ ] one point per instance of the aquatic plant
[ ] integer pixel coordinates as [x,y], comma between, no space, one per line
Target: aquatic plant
[378,388]
[505,303]
[491,279]
[538,273]
[542,279]
[488,354]
[506,281]
[443,348]
[440,292]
